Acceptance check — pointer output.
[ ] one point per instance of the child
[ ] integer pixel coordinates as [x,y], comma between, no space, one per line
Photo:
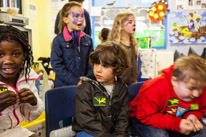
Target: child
[123,31]
[172,104]
[71,48]
[104,34]
[18,95]
[102,101]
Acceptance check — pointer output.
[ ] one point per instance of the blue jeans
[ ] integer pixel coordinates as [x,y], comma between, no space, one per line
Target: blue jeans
[142,130]
[83,134]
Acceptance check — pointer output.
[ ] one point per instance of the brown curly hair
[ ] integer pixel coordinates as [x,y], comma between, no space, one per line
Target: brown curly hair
[110,54]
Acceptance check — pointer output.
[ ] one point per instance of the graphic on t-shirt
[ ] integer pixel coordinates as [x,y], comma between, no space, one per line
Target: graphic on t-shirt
[174,107]
[194,107]
[99,101]
[173,102]
[181,111]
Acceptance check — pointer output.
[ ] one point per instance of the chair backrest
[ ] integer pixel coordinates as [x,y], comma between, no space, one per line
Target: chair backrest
[59,104]
[134,89]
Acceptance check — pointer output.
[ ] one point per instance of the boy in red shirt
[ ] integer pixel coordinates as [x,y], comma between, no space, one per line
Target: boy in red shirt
[173,104]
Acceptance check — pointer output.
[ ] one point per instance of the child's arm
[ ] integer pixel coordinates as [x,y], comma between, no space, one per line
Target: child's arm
[85,114]
[32,104]
[7,99]
[122,125]
[58,64]
[89,67]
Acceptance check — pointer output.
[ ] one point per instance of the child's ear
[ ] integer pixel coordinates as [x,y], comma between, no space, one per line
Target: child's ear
[174,81]
[66,20]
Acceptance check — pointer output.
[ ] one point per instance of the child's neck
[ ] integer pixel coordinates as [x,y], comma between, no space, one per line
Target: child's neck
[125,39]
[11,82]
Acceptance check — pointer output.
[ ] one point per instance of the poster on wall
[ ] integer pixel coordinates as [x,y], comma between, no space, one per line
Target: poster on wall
[123,3]
[187,27]
[190,4]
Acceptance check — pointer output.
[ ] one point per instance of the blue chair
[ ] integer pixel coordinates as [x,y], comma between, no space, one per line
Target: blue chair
[59,105]
[134,89]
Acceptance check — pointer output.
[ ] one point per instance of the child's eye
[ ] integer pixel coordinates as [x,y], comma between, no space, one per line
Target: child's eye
[1,54]
[105,66]
[76,16]
[16,54]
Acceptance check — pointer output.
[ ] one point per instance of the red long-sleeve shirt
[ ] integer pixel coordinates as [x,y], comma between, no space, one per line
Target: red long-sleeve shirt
[157,104]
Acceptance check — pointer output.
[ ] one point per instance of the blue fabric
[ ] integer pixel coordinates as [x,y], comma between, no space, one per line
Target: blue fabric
[142,130]
[139,64]
[68,62]
[83,134]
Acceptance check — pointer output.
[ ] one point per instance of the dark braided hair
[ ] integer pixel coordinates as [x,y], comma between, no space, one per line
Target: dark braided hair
[9,33]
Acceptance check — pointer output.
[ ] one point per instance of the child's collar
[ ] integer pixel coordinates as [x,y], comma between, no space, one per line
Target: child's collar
[68,37]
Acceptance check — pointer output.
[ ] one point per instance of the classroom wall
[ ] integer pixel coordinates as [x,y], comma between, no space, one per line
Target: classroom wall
[42,25]
[39,24]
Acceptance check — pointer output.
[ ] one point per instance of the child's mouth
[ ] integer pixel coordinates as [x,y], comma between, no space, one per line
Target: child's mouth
[79,24]
[8,70]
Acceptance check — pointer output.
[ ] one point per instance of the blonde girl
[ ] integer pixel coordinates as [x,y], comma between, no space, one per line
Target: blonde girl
[122,32]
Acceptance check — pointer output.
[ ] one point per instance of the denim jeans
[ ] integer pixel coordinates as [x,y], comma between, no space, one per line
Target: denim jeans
[83,134]
[142,130]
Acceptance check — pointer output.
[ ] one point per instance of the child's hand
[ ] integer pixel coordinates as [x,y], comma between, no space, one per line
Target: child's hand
[197,124]
[27,96]
[79,83]
[7,99]
[186,126]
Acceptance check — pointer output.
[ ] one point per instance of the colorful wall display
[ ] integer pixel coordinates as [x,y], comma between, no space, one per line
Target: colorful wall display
[187,27]
[149,29]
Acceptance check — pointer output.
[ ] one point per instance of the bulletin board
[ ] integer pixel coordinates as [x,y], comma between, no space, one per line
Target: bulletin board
[187,27]
[149,32]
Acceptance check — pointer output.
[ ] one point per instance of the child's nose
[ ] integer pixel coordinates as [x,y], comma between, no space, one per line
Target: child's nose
[99,68]
[196,93]
[8,59]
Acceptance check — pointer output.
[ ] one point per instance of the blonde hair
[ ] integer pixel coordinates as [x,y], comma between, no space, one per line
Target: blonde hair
[64,12]
[115,34]
[190,67]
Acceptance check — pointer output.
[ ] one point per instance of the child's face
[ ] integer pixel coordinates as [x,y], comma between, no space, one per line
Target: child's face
[11,60]
[187,91]
[103,74]
[75,19]
[129,25]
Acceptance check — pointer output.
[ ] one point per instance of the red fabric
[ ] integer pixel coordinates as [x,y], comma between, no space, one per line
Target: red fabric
[153,107]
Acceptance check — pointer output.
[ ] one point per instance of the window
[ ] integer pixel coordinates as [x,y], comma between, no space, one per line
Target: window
[12,3]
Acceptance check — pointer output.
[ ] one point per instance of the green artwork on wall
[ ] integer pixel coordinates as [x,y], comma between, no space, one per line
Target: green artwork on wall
[157,38]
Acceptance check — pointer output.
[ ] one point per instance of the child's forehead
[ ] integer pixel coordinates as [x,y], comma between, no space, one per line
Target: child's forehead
[77,9]
[131,17]
[193,83]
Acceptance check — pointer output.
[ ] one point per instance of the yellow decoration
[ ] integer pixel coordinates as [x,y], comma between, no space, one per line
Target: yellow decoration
[39,120]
